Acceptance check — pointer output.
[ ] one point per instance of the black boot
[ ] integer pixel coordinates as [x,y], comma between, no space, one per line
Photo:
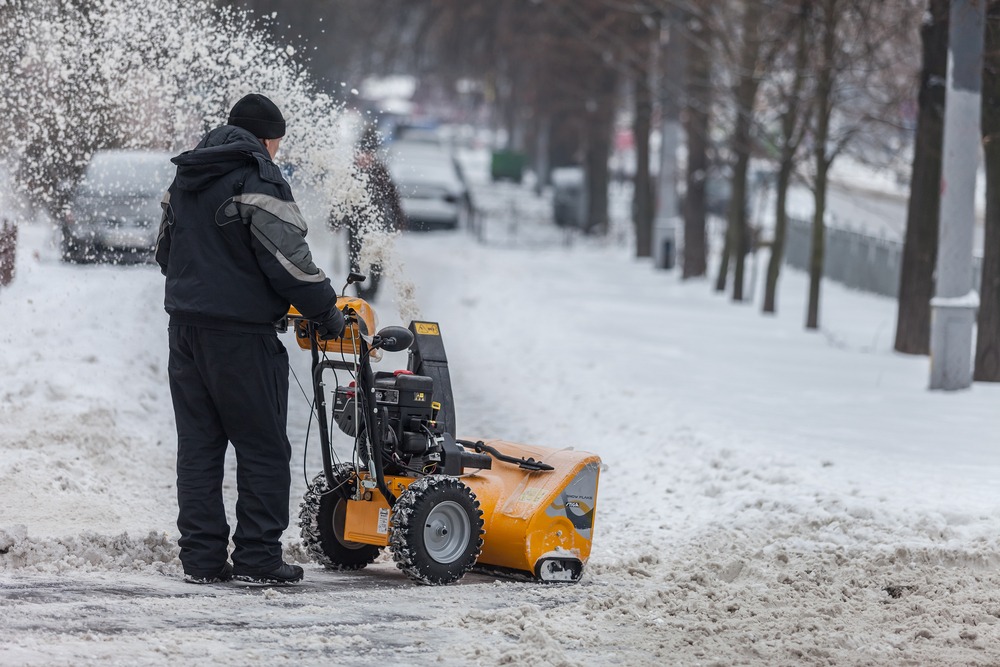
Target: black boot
[283,574]
[225,574]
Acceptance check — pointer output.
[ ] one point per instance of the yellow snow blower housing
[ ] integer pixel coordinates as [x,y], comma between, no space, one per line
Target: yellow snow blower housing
[363,322]
[535,523]
[441,504]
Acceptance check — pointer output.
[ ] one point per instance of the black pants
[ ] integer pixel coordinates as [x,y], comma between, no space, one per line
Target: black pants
[230,387]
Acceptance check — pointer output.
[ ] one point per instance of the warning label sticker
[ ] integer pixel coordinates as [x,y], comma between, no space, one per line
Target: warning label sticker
[383,521]
[531,495]
[427,328]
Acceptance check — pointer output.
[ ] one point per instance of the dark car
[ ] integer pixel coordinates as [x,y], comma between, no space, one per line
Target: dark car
[114,214]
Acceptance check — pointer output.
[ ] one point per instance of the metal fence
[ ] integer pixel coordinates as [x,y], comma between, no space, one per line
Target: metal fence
[859,261]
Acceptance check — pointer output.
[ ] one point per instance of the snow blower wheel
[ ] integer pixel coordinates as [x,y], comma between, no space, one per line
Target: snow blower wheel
[322,518]
[437,529]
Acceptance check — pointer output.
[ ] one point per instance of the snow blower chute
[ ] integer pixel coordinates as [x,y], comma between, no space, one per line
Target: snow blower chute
[441,504]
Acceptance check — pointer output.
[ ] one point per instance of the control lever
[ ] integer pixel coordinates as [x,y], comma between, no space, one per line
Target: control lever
[353,277]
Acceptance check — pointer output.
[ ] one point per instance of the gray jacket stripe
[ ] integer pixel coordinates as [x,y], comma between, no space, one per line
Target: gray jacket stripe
[280,227]
[286,211]
[292,269]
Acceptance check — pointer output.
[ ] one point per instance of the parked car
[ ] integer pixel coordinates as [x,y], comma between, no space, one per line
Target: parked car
[431,186]
[114,214]
[424,134]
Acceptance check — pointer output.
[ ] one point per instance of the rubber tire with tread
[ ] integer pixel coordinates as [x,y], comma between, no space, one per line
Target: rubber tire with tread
[406,534]
[318,526]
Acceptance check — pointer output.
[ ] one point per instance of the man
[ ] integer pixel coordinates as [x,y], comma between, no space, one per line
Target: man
[232,247]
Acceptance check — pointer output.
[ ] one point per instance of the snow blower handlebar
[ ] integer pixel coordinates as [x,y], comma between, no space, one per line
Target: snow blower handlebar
[352,277]
[392,339]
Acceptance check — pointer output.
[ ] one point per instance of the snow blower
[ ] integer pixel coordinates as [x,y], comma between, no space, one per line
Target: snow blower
[441,504]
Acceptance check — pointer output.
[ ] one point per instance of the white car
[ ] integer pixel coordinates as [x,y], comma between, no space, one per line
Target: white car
[432,191]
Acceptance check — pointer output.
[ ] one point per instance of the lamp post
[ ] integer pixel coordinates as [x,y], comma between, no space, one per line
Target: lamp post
[953,308]
[666,223]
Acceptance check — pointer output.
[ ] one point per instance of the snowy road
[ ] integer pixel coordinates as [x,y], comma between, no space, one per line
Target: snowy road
[330,619]
[769,497]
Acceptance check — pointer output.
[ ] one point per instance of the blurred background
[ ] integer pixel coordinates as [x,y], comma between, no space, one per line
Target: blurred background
[720,140]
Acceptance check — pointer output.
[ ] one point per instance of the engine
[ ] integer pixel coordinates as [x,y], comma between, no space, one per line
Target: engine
[412,438]
[405,417]
[406,410]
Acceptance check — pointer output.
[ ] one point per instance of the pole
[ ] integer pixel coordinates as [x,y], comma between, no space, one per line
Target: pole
[953,308]
[666,223]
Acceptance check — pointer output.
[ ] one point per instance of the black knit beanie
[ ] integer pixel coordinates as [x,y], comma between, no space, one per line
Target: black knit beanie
[258,115]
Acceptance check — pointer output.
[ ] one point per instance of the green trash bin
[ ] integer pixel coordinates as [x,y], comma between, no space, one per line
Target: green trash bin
[507,166]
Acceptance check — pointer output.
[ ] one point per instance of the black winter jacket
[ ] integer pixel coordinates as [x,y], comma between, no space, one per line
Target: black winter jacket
[232,240]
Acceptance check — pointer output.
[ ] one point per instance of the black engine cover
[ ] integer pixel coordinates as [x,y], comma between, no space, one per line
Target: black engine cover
[405,400]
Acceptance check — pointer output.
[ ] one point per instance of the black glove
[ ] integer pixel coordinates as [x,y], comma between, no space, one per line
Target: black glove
[331,328]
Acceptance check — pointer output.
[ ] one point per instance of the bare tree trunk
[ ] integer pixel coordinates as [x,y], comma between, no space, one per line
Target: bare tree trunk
[746,96]
[818,242]
[780,233]
[8,251]
[510,116]
[541,158]
[791,122]
[697,127]
[642,193]
[727,250]
[916,283]
[600,126]
[987,368]
[824,104]
[738,220]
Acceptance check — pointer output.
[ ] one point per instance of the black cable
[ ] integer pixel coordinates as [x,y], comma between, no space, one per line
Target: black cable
[305,447]
[333,454]
[399,462]
[301,388]
[312,413]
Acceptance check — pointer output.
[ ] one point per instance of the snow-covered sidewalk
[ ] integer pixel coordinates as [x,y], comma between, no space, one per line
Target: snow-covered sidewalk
[770,496]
